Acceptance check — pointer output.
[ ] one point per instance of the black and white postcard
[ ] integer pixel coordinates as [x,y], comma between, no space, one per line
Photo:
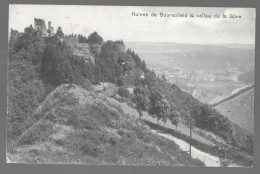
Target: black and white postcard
[131,85]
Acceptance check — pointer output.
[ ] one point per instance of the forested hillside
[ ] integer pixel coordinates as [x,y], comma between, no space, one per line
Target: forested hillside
[37,65]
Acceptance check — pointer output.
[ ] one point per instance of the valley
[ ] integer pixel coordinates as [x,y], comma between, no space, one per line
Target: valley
[209,72]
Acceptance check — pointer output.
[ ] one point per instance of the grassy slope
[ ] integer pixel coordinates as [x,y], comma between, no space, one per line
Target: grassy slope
[201,139]
[240,109]
[75,126]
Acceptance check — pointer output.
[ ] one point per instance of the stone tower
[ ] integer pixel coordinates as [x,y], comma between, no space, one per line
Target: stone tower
[39,25]
[49,24]
[50,29]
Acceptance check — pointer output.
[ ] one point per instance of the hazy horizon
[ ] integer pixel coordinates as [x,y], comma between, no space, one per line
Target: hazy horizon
[189,43]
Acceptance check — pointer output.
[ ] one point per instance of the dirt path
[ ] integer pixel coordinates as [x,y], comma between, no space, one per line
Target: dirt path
[209,160]
[181,128]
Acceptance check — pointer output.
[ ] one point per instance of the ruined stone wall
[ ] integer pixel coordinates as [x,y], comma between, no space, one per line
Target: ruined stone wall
[80,50]
[14,33]
[120,47]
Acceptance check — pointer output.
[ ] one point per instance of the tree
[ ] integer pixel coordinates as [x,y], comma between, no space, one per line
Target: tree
[210,119]
[174,117]
[94,38]
[126,61]
[143,65]
[159,106]
[123,92]
[121,81]
[56,67]
[155,97]
[25,89]
[163,78]
[150,78]
[222,152]
[163,107]
[110,70]
[60,32]
[141,99]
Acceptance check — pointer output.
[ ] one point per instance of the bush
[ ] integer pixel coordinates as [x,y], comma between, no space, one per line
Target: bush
[126,133]
[114,114]
[104,138]
[59,142]
[92,150]
[113,141]
[123,92]
[35,152]
[117,159]
[129,101]
[80,118]
[68,100]
[120,81]
[39,132]
[141,134]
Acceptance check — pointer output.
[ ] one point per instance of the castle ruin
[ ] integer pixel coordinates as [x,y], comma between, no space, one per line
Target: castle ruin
[50,29]
[14,33]
[39,25]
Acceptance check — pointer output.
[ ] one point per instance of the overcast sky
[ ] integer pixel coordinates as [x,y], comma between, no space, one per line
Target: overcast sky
[117,22]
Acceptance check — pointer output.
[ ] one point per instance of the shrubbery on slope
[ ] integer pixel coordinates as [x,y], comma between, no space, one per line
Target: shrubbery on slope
[76,126]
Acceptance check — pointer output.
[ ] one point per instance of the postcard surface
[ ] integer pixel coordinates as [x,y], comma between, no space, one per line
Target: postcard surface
[130,85]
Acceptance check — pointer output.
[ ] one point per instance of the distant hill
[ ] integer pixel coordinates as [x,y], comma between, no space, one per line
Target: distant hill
[239,108]
[195,56]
